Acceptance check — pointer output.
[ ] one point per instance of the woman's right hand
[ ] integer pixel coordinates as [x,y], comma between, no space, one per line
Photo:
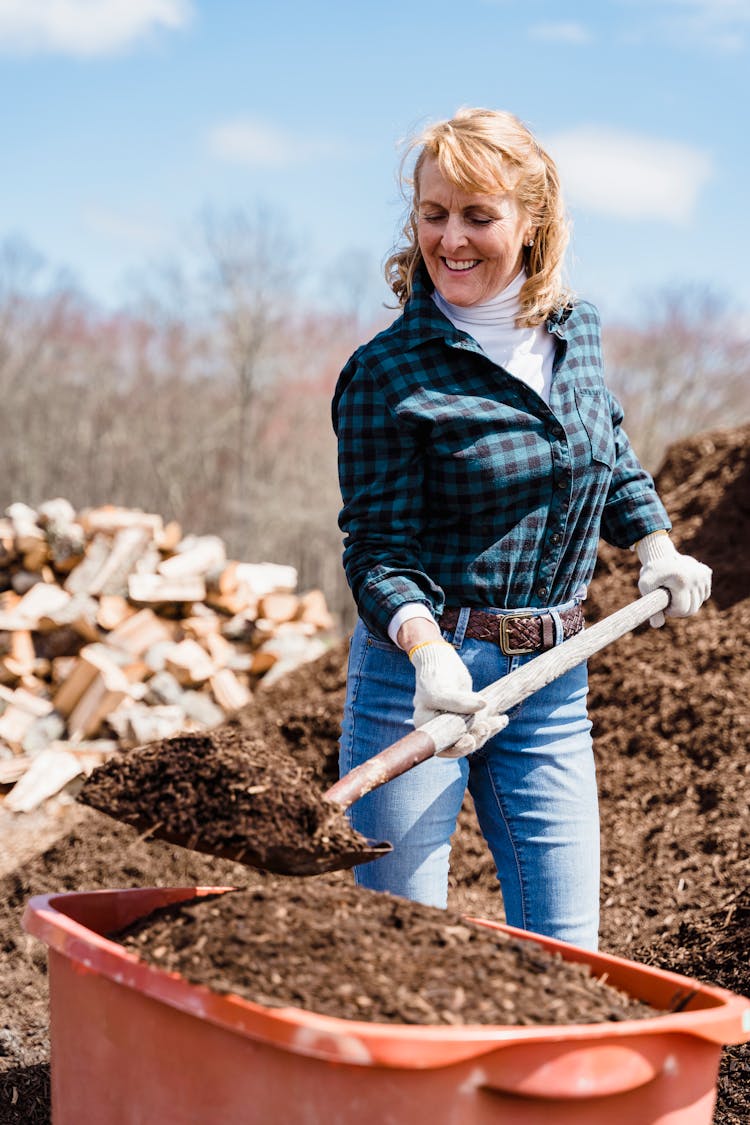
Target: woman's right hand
[443,682]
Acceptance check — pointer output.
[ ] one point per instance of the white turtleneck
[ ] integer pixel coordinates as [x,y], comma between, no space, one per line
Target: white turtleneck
[527,353]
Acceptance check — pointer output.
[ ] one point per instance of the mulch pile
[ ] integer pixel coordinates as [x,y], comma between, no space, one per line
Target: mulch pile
[671,728]
[369,956]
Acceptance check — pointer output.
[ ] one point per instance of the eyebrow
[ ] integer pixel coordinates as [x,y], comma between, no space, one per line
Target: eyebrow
[468,207]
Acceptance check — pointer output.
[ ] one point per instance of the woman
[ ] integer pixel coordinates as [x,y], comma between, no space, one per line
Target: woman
[481,457]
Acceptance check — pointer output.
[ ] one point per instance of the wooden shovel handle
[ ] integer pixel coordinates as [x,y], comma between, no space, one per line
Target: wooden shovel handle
[409,751]
[445,730]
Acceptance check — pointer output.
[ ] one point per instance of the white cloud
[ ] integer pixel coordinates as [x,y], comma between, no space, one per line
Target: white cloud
[630,176]
[84,27]
[573,34]
[258,144]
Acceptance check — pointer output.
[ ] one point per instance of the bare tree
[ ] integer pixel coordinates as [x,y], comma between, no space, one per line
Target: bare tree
[249,282]
[684,368]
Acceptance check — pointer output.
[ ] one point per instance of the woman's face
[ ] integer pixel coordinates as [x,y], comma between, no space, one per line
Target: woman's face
[472,244]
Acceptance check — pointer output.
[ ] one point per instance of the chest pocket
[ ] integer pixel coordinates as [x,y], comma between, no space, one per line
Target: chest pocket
[593,409]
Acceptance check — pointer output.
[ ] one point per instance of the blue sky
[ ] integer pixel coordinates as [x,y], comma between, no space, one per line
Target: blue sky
[123,119]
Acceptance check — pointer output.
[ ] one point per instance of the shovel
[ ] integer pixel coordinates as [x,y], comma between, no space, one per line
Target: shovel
[311,835]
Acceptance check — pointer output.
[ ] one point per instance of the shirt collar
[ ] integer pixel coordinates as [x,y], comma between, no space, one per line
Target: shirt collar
[424,321]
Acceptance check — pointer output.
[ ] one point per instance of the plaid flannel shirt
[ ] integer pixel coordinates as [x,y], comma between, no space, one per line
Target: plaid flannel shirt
[462,487]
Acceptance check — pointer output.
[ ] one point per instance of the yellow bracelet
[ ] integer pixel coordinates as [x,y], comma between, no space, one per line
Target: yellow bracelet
[423,644]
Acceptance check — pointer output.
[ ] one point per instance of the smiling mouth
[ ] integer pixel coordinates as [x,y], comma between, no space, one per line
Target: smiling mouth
[456,265]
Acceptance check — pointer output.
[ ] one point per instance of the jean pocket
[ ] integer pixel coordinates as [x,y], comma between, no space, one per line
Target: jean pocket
[382,646]
[592,404]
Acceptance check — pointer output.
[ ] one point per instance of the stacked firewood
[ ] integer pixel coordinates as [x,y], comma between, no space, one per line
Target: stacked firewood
[116,629]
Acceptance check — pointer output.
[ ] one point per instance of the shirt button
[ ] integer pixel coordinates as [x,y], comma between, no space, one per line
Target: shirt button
[542,591]
[555,537]
[556,432]
[562,483]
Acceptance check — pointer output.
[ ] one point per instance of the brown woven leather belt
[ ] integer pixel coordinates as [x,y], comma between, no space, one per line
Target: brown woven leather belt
[517,634]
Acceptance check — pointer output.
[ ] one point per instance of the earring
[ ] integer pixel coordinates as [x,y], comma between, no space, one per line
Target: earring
[530,242]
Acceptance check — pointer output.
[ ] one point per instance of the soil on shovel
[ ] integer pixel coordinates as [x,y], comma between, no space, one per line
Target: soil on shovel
[227,794]
[356,954]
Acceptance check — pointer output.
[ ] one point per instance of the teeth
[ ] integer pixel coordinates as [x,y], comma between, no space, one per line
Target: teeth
[454,264]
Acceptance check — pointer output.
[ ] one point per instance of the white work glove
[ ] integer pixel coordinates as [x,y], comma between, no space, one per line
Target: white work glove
[484,726]
[443,683]
[688,581]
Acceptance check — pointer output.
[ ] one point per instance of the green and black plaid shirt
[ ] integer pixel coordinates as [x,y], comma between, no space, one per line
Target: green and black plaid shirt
[461,487]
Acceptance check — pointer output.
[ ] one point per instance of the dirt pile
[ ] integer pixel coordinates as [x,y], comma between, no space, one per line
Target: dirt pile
[670,714]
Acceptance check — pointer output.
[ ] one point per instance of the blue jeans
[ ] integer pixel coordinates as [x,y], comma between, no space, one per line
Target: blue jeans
[533,786]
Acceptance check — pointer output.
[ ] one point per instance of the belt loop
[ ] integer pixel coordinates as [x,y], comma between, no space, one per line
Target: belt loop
[559,633]
[461,626]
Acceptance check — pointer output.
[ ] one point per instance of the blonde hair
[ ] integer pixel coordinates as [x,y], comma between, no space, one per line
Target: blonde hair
[485,150]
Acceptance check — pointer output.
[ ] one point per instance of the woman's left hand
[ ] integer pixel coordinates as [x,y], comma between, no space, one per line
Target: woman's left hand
[687,579]
[484,726]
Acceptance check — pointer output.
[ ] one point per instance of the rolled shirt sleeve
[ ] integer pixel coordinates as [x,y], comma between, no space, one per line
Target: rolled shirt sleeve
[633,508]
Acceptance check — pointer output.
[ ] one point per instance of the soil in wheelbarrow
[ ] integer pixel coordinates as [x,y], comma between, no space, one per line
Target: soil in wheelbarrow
[671,735]
[348,952]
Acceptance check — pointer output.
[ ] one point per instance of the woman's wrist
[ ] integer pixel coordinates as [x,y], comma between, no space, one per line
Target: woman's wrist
[416,631]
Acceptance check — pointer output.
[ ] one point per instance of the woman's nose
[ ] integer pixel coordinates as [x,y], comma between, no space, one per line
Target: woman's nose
[454,233]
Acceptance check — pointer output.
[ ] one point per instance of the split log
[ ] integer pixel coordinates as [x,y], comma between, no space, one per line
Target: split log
[20,657]
[168,538]
[220,650]
[127,550]
[35,554]
[314,611]
[103,695]
[82,578]
[93,661]
[40,601]
[21,710]
[136,724]
[154,589]
[278,607]
[195,555]
[200,710]
[224,580]
[11,769]
[61,667]
[228,691]
[48,773]
[163,688]
[189,663]
[79,612]
[113,610]
[267,578]
[262,662]
[139,632]
[111,519]
[240,600]
[201,626]
[7,541]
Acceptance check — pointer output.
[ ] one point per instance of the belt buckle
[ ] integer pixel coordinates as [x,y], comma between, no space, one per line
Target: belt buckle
[504,639]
